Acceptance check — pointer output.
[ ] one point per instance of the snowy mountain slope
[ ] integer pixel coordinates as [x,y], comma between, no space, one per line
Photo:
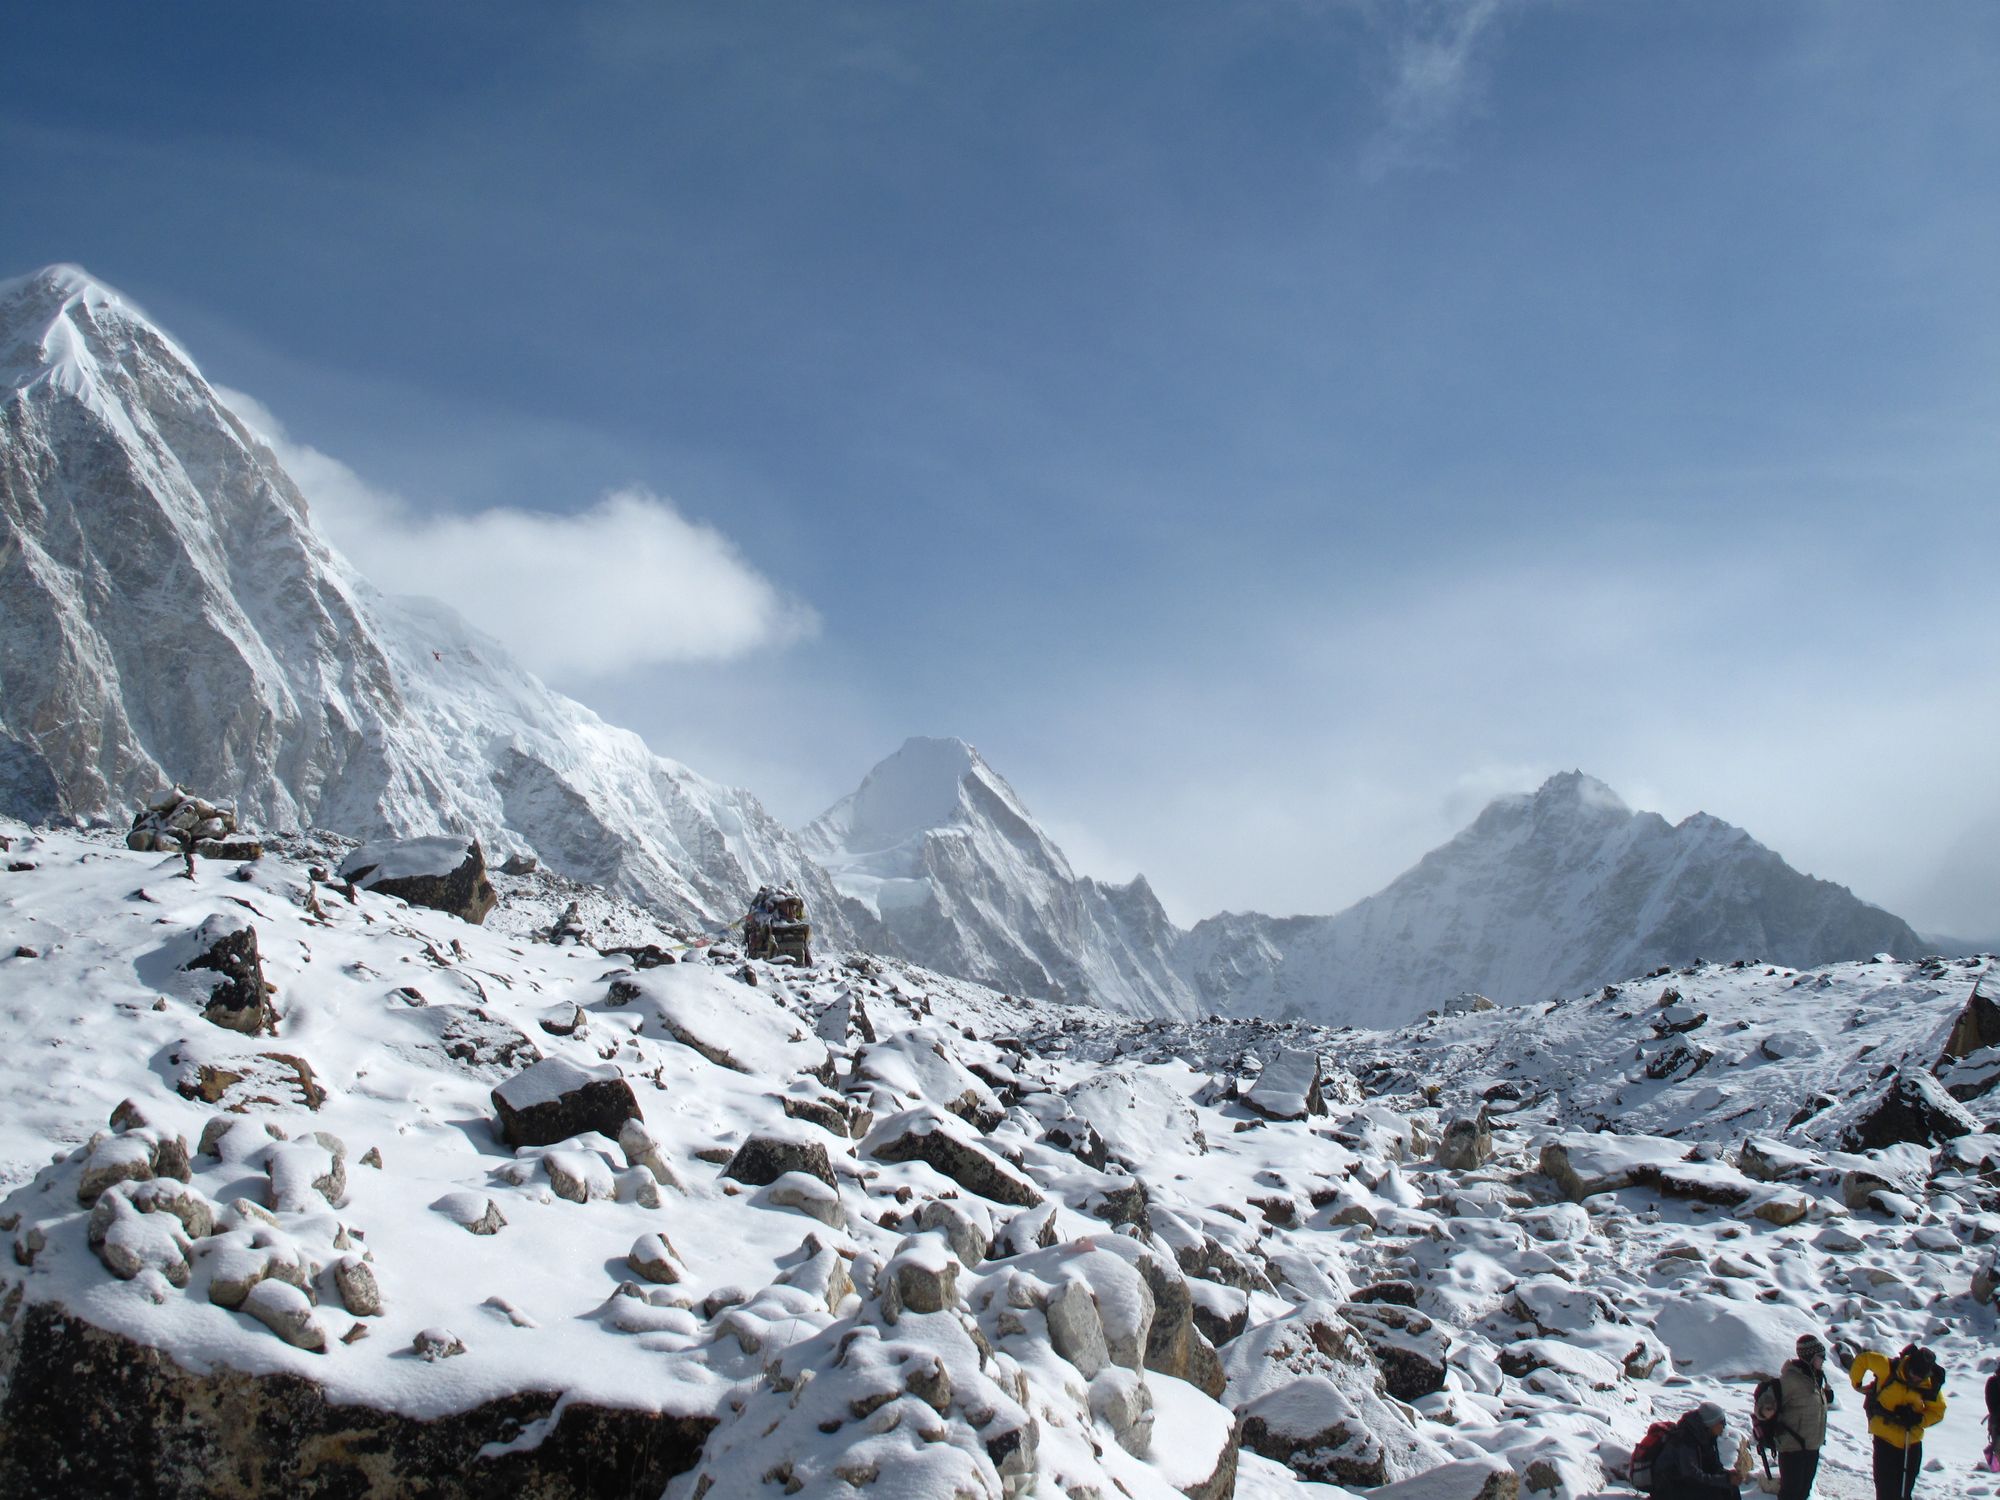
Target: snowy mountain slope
[964,880]
[168,613]
[903,1324]
[1543,894]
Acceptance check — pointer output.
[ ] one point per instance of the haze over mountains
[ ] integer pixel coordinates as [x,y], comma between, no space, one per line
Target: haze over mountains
[169,613]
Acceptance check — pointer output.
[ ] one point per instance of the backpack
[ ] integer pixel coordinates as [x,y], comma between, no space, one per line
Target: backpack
[1640,1470]
[1766,1402]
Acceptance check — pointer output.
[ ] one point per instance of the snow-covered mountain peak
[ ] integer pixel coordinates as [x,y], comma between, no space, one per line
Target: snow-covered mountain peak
[920,787]
[936,844]
[1565,800]
[168,614]
[62,326]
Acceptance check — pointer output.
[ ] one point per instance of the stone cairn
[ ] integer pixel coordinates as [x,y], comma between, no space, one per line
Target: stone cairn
[182,823]
[776,928]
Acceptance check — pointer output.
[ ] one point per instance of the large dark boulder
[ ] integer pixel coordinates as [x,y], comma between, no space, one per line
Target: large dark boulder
[1977,1026]
[1913,1108]
[242,1000]
[763,1159]
[87,1412]
[555,1099]
[1407,1347]
[446,874]
[941,1141]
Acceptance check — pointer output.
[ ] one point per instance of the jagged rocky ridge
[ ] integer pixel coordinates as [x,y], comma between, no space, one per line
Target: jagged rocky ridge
[944,853]
[860,1227]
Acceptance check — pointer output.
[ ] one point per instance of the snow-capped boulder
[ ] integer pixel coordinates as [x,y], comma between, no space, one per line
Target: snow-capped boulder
[765,1157]
[1586,1165]
[944,1143]
[1912,1108]
[287,1312]
[446,873]
[1138,1114]
[1288,1088]
[1407,1347]
[555,1099]
[654,1258]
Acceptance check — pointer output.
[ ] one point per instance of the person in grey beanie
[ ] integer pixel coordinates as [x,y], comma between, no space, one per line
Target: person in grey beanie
[1689,1465]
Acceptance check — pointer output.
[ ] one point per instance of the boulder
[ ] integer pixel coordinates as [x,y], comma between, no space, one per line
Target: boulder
[473,1212]
[928,1135]
[360,1292]
[654,1259]
[1466,1144]
[1986,1280]
[642,1150]
[1467,1479]
[1585,1165]
[71,1396]
[1176,1344]
[922,1277]
[968,1237]
[556,1099]
[1766,1160]
[1076,1332]
[286,1311]
[1311,1427]
[446,874]
[1977,1026]
[1288,1088]
[1121,1400]
[764,1158]
[1912,1108]
[1407,1347]
[809,1194]
[241,1000]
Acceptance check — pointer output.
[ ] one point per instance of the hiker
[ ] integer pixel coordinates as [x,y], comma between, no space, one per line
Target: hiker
[1902,1397]
[1993,1419]
[1798,1425]
[1689,1465]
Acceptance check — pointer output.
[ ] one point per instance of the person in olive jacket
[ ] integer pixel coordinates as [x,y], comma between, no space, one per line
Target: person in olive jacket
[1804,1397]
[1903,1397]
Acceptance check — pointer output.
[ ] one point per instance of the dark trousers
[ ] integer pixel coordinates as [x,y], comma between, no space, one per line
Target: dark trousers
[1795,1473]
[1896,1469]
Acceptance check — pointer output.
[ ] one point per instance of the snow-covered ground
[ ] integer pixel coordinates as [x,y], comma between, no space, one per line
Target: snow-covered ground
[1051,1251]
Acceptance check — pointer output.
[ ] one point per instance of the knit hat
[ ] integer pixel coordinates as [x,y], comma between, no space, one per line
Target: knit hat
[1710,1414]
[1809,1345]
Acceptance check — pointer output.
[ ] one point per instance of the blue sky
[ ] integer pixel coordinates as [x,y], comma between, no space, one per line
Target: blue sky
[1265,430]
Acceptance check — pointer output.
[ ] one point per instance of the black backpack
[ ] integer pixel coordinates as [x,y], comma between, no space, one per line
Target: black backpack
[1766,1403]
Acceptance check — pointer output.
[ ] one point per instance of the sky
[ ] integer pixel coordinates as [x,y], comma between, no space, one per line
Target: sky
[1266,431]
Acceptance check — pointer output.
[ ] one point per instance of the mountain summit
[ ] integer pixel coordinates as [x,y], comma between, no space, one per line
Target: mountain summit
[944,853]
[168,613]
[1547,893]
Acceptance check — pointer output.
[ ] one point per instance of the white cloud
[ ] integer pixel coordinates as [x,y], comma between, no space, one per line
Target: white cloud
[628,583]
[1436,53]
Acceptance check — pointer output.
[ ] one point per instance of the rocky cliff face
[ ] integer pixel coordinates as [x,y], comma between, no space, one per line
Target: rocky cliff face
[962,878]
[168,613]
[1548,894]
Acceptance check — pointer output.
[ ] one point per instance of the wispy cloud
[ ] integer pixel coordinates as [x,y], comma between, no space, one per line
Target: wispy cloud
[1437,56]
[628,583]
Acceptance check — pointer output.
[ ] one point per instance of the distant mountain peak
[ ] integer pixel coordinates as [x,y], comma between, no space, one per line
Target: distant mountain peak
[1579,789]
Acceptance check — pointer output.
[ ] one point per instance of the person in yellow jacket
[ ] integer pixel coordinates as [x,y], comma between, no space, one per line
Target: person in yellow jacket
[1902,1397]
